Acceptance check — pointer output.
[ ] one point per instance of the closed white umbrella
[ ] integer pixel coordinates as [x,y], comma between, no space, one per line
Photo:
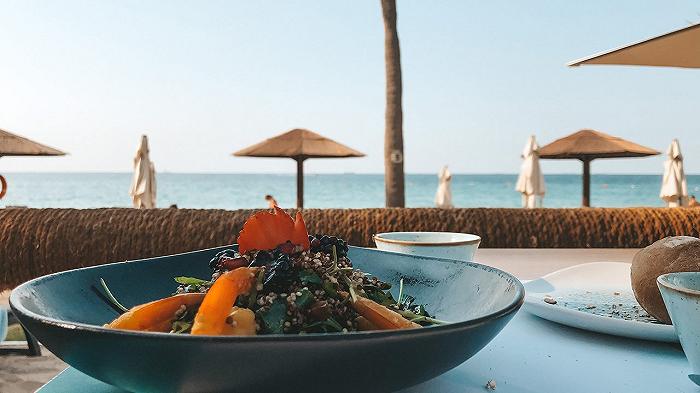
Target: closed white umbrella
[143,185]
[531,181]
[674,187]
[443,197]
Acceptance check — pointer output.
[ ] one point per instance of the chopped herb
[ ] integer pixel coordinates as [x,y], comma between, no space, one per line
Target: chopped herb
[334,267]
[407,301]
[419,318]
[309,277]
[412,312]
[111,297]
[377,295]
[191,281]
[334,324]
[254,291]
[304,299]
[329,325]
[330,289]
[351,288]
[274,317]
[420,310]
[181,327]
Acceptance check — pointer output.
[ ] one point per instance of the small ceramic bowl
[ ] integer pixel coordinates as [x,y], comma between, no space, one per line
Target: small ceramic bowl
[681,294]
[448,245]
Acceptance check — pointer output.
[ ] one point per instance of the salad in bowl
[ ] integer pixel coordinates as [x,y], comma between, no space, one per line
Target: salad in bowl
[281,280]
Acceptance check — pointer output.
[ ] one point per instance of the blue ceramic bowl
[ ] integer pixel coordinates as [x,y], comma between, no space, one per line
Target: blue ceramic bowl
[63,311]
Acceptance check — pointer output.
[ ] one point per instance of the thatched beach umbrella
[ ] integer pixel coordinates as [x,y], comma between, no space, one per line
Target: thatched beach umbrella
[299,144]
[588,145]
[15,145]
[678,48]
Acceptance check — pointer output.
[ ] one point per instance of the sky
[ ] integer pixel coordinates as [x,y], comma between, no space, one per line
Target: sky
[203,79]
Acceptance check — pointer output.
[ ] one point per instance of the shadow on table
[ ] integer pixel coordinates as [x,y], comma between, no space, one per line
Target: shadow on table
[530,364]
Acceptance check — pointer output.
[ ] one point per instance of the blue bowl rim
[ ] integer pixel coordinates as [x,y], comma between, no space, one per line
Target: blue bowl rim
[473,240]
[513,306]
[664,281]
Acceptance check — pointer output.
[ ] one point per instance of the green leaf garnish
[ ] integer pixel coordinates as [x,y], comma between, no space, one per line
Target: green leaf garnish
[304,299]
[377,295]
[309,277]
[334,324]
[274,317]
[191,281]
[420,310]
[351,288]
[111,297]
[181,327]
[330,289]
[329,325]
[419,318]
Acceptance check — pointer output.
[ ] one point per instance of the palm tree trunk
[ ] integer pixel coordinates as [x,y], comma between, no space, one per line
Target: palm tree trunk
[393,131]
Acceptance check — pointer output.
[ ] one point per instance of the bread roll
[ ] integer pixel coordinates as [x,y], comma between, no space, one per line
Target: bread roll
[668,255]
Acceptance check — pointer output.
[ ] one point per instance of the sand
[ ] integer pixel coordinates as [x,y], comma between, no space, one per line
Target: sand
[20,373]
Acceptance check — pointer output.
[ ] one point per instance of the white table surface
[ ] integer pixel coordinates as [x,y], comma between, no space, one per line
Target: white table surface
[532,263]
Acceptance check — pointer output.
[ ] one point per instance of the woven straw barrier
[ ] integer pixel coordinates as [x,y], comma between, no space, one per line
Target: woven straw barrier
[34,242]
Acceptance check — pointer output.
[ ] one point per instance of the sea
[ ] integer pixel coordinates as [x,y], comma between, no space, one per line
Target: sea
[234,191]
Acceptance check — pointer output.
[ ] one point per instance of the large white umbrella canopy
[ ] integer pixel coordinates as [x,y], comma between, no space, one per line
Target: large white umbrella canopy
[678,48]
[531,181]
[674,187]
[15,145]
[143,184]
[443,196]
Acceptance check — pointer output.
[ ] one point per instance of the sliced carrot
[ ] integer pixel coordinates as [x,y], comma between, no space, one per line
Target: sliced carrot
[217,305]
[156,316]
[380,316]
[363,324]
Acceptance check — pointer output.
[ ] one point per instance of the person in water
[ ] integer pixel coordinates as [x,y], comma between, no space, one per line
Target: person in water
[692,202]
[272,202]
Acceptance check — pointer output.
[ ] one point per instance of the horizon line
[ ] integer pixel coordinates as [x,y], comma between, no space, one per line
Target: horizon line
[326,173]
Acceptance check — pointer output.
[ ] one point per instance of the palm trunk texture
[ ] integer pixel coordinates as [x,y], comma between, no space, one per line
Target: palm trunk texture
[393,132]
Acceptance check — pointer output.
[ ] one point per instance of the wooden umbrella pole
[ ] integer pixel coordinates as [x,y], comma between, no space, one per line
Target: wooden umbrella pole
[300,182]
[586,202]
[3,187]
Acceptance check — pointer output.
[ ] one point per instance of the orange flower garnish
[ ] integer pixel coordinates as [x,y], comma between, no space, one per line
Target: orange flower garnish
[265,231]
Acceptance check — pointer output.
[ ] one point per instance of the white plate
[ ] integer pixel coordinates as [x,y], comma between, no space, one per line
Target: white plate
[582,290]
